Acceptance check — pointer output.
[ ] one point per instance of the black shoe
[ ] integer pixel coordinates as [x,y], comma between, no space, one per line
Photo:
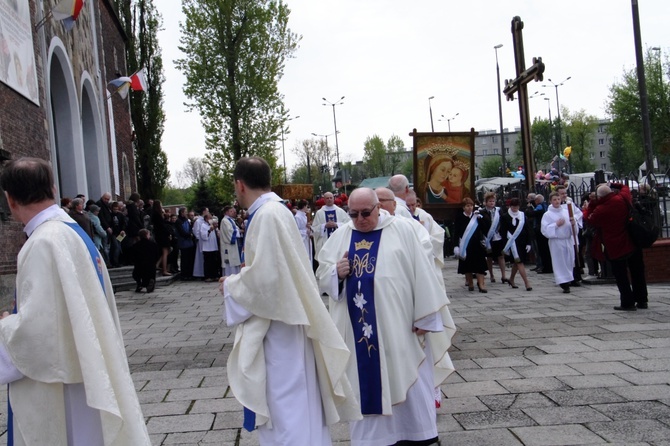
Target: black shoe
[512,284]
[575,283]
[471,288]
[643,306]
[151,286]
[565,287]
[482,290]
[632,308]
[504,280]
[138,289]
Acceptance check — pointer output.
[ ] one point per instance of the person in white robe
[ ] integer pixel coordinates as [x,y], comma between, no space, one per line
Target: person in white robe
[387,304]
[287,366]
[557,228]
[62,352]
[569,205]
[231,242]
[303,226]
[399,185]
[326,221]
[199,261]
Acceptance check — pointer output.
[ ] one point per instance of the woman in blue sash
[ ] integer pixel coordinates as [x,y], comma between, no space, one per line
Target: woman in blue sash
[470,250]
[514,226]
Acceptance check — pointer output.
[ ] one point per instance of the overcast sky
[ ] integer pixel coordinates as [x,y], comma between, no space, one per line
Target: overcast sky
[387,57]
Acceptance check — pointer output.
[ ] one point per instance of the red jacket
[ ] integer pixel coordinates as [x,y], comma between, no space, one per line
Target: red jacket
[609,216]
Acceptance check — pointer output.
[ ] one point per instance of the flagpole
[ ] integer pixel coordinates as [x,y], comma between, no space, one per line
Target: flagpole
[41,23]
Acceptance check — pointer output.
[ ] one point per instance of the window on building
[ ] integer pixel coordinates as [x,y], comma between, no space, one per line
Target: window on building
[485,152]
[592,155]
[601,141]
[484,141]
[602,154]
[506,138]
[603,166]
[506,150]
[601,129]
[496,152]
[494,139]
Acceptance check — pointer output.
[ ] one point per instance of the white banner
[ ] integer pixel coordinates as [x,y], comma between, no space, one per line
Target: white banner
[17,57]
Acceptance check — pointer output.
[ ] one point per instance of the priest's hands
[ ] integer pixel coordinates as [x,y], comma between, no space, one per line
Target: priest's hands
[343,267]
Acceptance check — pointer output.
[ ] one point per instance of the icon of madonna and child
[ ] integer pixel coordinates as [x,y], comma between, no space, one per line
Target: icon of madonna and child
[446,175]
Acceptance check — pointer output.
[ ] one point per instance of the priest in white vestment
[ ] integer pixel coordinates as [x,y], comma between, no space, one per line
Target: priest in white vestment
[304,228]
[326,221]
[287,366]
[557,227]
[199,260]
[62,353]
[399,185]
[388,304]
[231,242]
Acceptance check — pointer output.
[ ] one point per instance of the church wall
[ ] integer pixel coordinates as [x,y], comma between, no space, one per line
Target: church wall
[24,126]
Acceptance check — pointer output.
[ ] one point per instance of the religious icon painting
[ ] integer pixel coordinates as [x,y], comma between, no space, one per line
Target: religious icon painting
[443,168]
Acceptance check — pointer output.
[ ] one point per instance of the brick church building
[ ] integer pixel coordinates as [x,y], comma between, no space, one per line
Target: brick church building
[55,105]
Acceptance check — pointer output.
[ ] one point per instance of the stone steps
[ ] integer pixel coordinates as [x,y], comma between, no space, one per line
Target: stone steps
[122,278]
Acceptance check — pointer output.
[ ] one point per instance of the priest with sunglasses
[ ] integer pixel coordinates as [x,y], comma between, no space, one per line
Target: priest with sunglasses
[392,313]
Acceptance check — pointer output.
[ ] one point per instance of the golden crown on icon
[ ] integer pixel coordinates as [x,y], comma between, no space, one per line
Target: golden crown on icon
[363,244]
[450,151]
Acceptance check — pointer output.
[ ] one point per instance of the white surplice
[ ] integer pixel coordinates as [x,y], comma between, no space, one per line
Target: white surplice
[561,243]
[199,260]
[71,384]
[230,253]
[319,225]
[305,231]
[288,360]
[407,294]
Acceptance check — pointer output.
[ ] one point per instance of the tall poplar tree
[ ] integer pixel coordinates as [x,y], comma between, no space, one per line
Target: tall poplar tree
[235,55]
[141,22]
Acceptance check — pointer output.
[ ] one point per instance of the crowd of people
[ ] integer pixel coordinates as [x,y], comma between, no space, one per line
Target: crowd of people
[374,356]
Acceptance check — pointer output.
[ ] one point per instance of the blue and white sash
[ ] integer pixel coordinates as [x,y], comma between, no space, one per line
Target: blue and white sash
[363,250]
[510,247]
[330,216]
[494,228]
[467,235]
[97,260]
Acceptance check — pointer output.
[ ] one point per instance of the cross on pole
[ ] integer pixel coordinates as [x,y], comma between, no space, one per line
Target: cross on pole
[523,77]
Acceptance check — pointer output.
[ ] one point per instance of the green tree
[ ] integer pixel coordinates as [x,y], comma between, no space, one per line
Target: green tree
[235,55]
[194,169]
[173,195]
[580,129]
[490,166]
[395,149]
[624,109]
[543,142]
[374,156]
[317,155]
[141,22]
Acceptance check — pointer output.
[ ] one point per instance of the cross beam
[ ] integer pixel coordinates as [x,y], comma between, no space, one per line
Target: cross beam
[518,85]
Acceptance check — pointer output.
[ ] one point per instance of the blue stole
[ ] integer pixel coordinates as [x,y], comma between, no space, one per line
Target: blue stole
[330,216]
[363,250]
[467,235]
[416,217]
[97,260]
[249,422]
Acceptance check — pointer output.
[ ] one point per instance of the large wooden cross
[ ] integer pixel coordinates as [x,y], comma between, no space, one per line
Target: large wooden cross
[523,76]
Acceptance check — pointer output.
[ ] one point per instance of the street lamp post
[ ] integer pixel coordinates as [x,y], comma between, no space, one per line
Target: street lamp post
[282,146]
[558,150]
[558,108]
[430,108]
[502,142]
[327,149]
[449,120]
[337,146]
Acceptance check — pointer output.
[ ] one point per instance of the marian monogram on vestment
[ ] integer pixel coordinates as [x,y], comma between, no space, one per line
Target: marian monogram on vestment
[362,264]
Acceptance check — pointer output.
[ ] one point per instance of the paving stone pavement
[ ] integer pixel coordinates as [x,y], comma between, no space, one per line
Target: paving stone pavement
[533,368]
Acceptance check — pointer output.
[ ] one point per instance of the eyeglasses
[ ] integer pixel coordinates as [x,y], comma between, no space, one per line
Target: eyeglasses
[365,214]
